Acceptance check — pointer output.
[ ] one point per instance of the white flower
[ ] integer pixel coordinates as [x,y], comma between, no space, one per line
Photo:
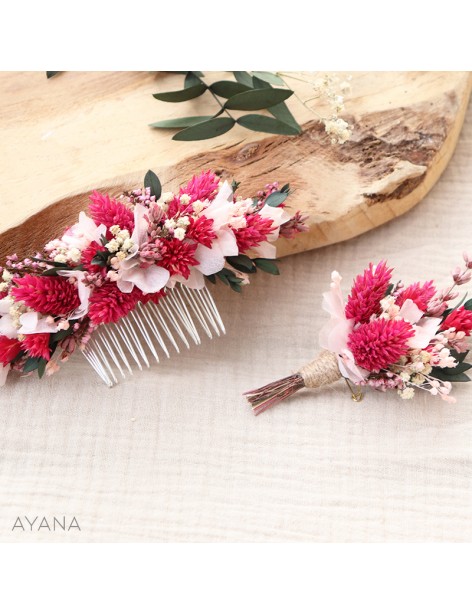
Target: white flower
[169,224]
[407,393]
[166,197]
[185,199]
[338,129]
[179,233]
[80,235]
[183,221]
[113,246]
[6,275]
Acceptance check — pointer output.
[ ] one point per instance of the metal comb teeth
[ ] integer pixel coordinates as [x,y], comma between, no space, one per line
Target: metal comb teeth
[134,341]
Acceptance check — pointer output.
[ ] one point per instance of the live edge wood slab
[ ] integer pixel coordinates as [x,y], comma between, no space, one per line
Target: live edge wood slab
[81,131]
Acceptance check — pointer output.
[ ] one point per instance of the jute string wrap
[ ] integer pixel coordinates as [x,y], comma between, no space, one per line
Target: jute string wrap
[323,370]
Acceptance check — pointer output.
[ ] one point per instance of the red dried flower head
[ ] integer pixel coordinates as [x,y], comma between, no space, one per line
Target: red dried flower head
[9,349]
[109,211]
[152,297]
[37,345]
[380,343]
[89,254]
[201,230]
[256,231]
[367,292]
[460,319]
[419,294]
[50,295]
[109,304]
[178,256]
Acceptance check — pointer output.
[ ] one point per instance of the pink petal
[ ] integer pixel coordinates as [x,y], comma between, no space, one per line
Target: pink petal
[149,280]
[425,330]
[410,312]
[211,259]
[33,323]
[265,250]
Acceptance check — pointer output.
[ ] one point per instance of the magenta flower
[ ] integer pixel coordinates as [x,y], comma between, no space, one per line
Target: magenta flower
[380,343]
[108,211]
[49,295]
[367,292]
[37,345]
[109,304]
[419,294]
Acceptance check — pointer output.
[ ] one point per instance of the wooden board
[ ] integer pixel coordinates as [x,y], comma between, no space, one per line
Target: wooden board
[62,137]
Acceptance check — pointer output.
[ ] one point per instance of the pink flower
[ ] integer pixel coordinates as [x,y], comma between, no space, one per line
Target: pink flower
[108,211]
[419,294]
[52,295]
[109,304]
[37,345]
[88,254]
[367,292]
[9,349]
[256,231]
[460,319]
[380,343]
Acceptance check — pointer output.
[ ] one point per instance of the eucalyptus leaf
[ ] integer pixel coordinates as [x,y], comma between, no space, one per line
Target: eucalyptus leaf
[445,377]
[276,198]
[226,89]
[205,130]
[151,180]
[257,99]
[259,83]
[468,305]
[241,263]
[52,73]
[282,113]
[31,364]
[460,368]
[42,367]
[181,95]
[181,122]
[459,356]
[191,79]
[61,334]
[266,265]
[262,123]
[270,77]
[243,77]
[211,278]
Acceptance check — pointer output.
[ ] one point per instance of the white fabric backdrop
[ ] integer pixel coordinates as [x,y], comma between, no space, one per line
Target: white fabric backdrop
[176,455]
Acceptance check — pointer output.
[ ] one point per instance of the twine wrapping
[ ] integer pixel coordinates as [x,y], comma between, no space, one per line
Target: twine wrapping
[321,371]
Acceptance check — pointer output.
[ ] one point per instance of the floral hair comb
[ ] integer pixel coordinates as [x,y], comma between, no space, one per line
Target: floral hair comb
[386,336]
[130,278]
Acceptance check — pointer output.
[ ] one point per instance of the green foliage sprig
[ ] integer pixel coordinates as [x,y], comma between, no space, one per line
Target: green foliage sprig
[248,92]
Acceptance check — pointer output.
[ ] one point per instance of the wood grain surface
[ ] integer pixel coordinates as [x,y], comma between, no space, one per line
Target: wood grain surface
[78,131]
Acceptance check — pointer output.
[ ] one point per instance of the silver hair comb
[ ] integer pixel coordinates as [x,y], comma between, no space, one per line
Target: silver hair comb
[135,339]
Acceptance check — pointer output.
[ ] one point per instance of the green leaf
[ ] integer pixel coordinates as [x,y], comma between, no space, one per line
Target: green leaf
[468,305]
[236,286]
[226,89]
[266,265]
[31,364]
[61,334]
[445,377]
[52,73]
[53,272]
[181,122]
[191,79]
[270,77]
[182,95]
[151,180]
[223,277]
[257,99]
[235,185]
[241,263]
[276,198]
[460,368]
[460,357]
[281,112]
[205,130]
[259,83]
[42,367]
[211,278]
[262,123]
[243,77]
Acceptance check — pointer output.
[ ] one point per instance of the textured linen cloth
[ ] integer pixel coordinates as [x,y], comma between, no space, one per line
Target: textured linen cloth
[175,454]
